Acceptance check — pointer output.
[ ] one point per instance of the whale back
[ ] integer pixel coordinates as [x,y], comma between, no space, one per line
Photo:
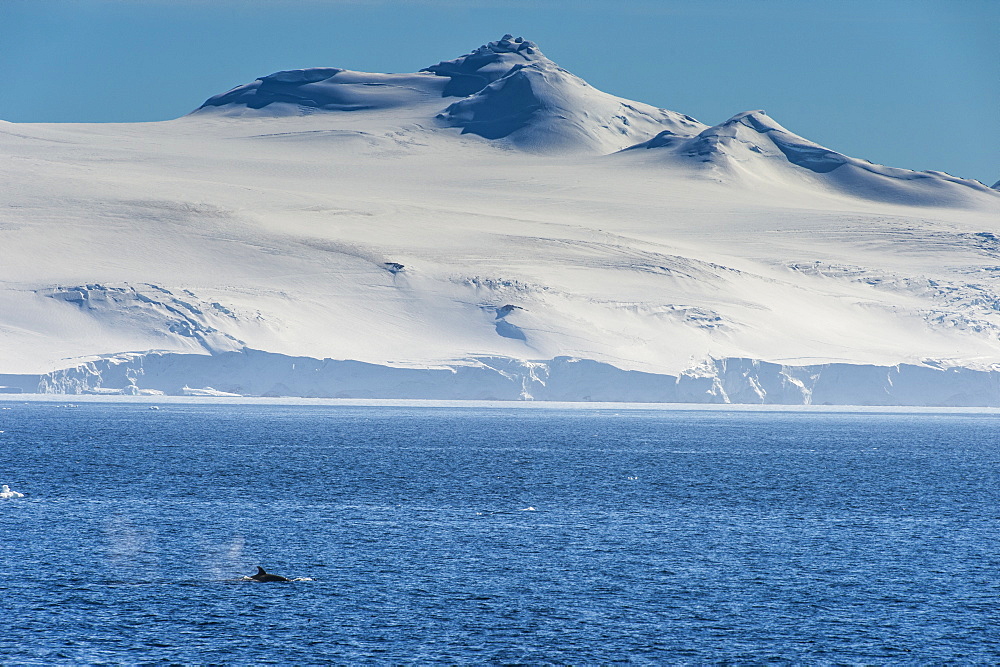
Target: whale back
[262,575]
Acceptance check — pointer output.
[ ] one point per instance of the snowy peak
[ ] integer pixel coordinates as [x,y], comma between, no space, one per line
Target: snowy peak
[752,145]
[755,133]
[474,71]
[541,107]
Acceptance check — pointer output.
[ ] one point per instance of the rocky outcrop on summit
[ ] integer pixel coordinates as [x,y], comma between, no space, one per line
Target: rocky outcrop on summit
[474,71]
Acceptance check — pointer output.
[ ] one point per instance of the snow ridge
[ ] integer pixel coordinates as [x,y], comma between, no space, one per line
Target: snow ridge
[292,92]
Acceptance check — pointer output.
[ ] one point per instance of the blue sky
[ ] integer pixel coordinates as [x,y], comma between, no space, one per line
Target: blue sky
[908,83]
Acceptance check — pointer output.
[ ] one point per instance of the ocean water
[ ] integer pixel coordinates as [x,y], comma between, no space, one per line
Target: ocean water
[496,535]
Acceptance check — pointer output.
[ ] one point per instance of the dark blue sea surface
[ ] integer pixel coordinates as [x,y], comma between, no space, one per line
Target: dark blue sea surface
[504,535]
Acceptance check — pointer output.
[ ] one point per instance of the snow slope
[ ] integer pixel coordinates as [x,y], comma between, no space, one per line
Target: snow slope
[476,230]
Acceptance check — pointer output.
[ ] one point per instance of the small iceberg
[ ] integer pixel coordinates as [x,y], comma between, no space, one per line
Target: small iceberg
[207,391]
[5,492]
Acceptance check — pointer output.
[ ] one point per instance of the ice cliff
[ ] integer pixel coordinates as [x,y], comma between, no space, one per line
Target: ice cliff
[716,381]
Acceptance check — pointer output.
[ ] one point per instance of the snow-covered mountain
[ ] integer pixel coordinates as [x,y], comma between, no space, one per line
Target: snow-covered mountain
[489,227]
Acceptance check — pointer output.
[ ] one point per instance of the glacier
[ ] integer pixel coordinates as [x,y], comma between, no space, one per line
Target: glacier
[491,227]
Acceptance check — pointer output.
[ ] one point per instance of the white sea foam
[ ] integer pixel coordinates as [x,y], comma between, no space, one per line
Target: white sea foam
[7,493]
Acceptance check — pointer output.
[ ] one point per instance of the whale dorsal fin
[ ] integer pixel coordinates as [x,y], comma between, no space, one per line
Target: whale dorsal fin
[260,571]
